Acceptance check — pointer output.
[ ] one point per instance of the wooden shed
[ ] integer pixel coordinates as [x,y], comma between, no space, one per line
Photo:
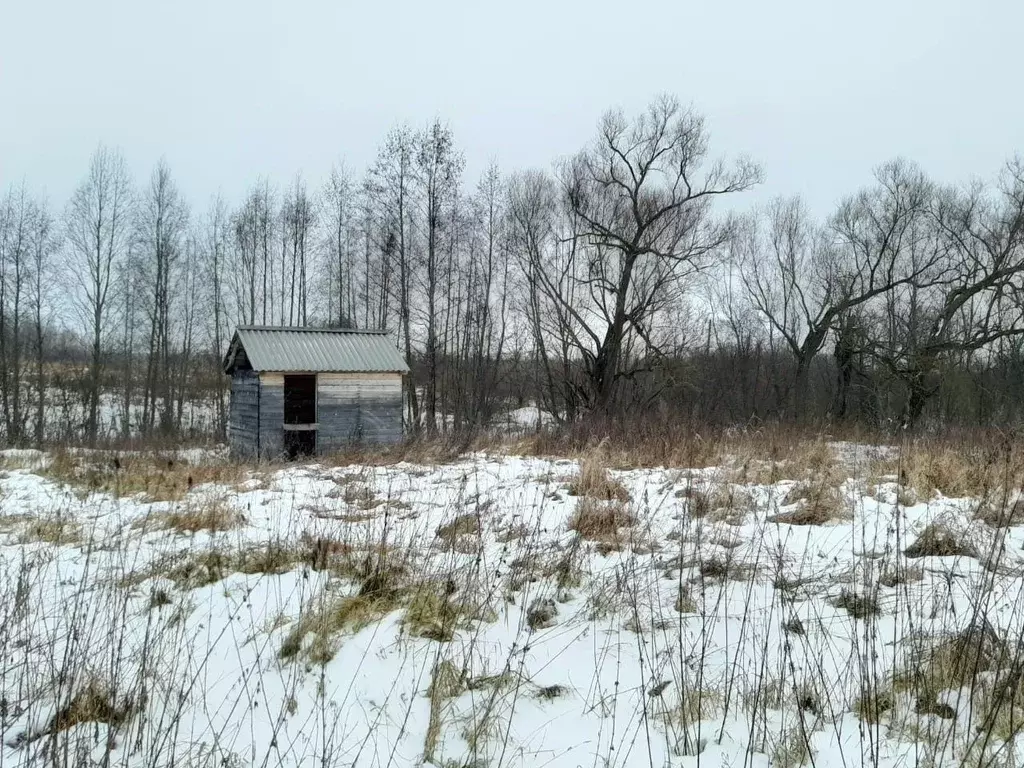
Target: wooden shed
[307,391]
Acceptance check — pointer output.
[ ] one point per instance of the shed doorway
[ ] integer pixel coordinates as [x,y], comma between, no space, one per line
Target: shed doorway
[300,422]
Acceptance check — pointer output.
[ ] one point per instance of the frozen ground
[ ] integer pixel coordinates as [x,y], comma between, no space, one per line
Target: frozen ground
[402,615]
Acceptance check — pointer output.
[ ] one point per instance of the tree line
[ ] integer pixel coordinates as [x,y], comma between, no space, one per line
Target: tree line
[628,280]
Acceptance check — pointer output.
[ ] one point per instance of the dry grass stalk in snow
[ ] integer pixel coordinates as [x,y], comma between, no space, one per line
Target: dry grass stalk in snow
[58,530]
[467,524]
[446,683]
[955,469]
[816,505]
[594,482]
[939,539]
[157,477]
[212,515]
[96,702]
[1001,514]
[602,522]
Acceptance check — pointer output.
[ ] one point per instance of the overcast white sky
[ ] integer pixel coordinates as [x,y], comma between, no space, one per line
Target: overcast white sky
[819,91]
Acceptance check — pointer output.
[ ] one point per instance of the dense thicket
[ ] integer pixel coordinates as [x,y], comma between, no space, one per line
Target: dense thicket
[611,283]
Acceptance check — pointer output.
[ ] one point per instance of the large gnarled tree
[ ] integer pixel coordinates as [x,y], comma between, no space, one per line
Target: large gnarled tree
[640,198]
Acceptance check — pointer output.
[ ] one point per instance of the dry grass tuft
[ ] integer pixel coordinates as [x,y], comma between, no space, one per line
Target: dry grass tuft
[436,613]
[158,477]
[1001,515]
[859,606]
[593,481]
[950,663]
[211,515]
[541,613]
[939,540]
[601,521]
[816,505]
[95,703]
[59,531]
[872,705]
[464,525]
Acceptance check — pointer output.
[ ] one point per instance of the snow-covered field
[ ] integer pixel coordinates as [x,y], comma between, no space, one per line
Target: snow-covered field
[480,613]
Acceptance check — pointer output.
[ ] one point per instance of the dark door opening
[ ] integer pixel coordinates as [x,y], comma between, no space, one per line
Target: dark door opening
[299,415]
[300,399]
[299,443]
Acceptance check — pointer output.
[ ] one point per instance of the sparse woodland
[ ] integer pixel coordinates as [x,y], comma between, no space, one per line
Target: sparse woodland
[629,282]
[686,568]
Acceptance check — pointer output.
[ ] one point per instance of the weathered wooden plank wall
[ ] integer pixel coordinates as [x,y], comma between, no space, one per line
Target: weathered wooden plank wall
[358,408]
[271,415]
[244,414]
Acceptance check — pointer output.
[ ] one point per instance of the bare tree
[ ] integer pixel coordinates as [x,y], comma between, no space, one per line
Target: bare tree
[297,223]
[17,212]
[163,224]
[338,215]
[389,190]
[805,279]
[438,170]
[217,243]
[553,312]
[641,206]
[973,295]
[98,226]
[45,243]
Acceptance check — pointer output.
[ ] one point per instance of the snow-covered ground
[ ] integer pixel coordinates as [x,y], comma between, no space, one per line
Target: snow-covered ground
[702,634]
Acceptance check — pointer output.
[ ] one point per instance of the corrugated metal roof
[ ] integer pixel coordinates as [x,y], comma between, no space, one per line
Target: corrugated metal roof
[271,348]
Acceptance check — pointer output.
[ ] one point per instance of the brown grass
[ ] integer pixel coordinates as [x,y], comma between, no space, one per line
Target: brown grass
[464,525]
[939,540]
[602,522]
[816,505]
[95,703]
[211,515]
[950,663]
[594,482]
[158,478]
[859,606]
[999,515]
[60,531]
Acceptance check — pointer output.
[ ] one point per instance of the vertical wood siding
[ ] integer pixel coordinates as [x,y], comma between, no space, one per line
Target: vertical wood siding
[244,416]
[271,415]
